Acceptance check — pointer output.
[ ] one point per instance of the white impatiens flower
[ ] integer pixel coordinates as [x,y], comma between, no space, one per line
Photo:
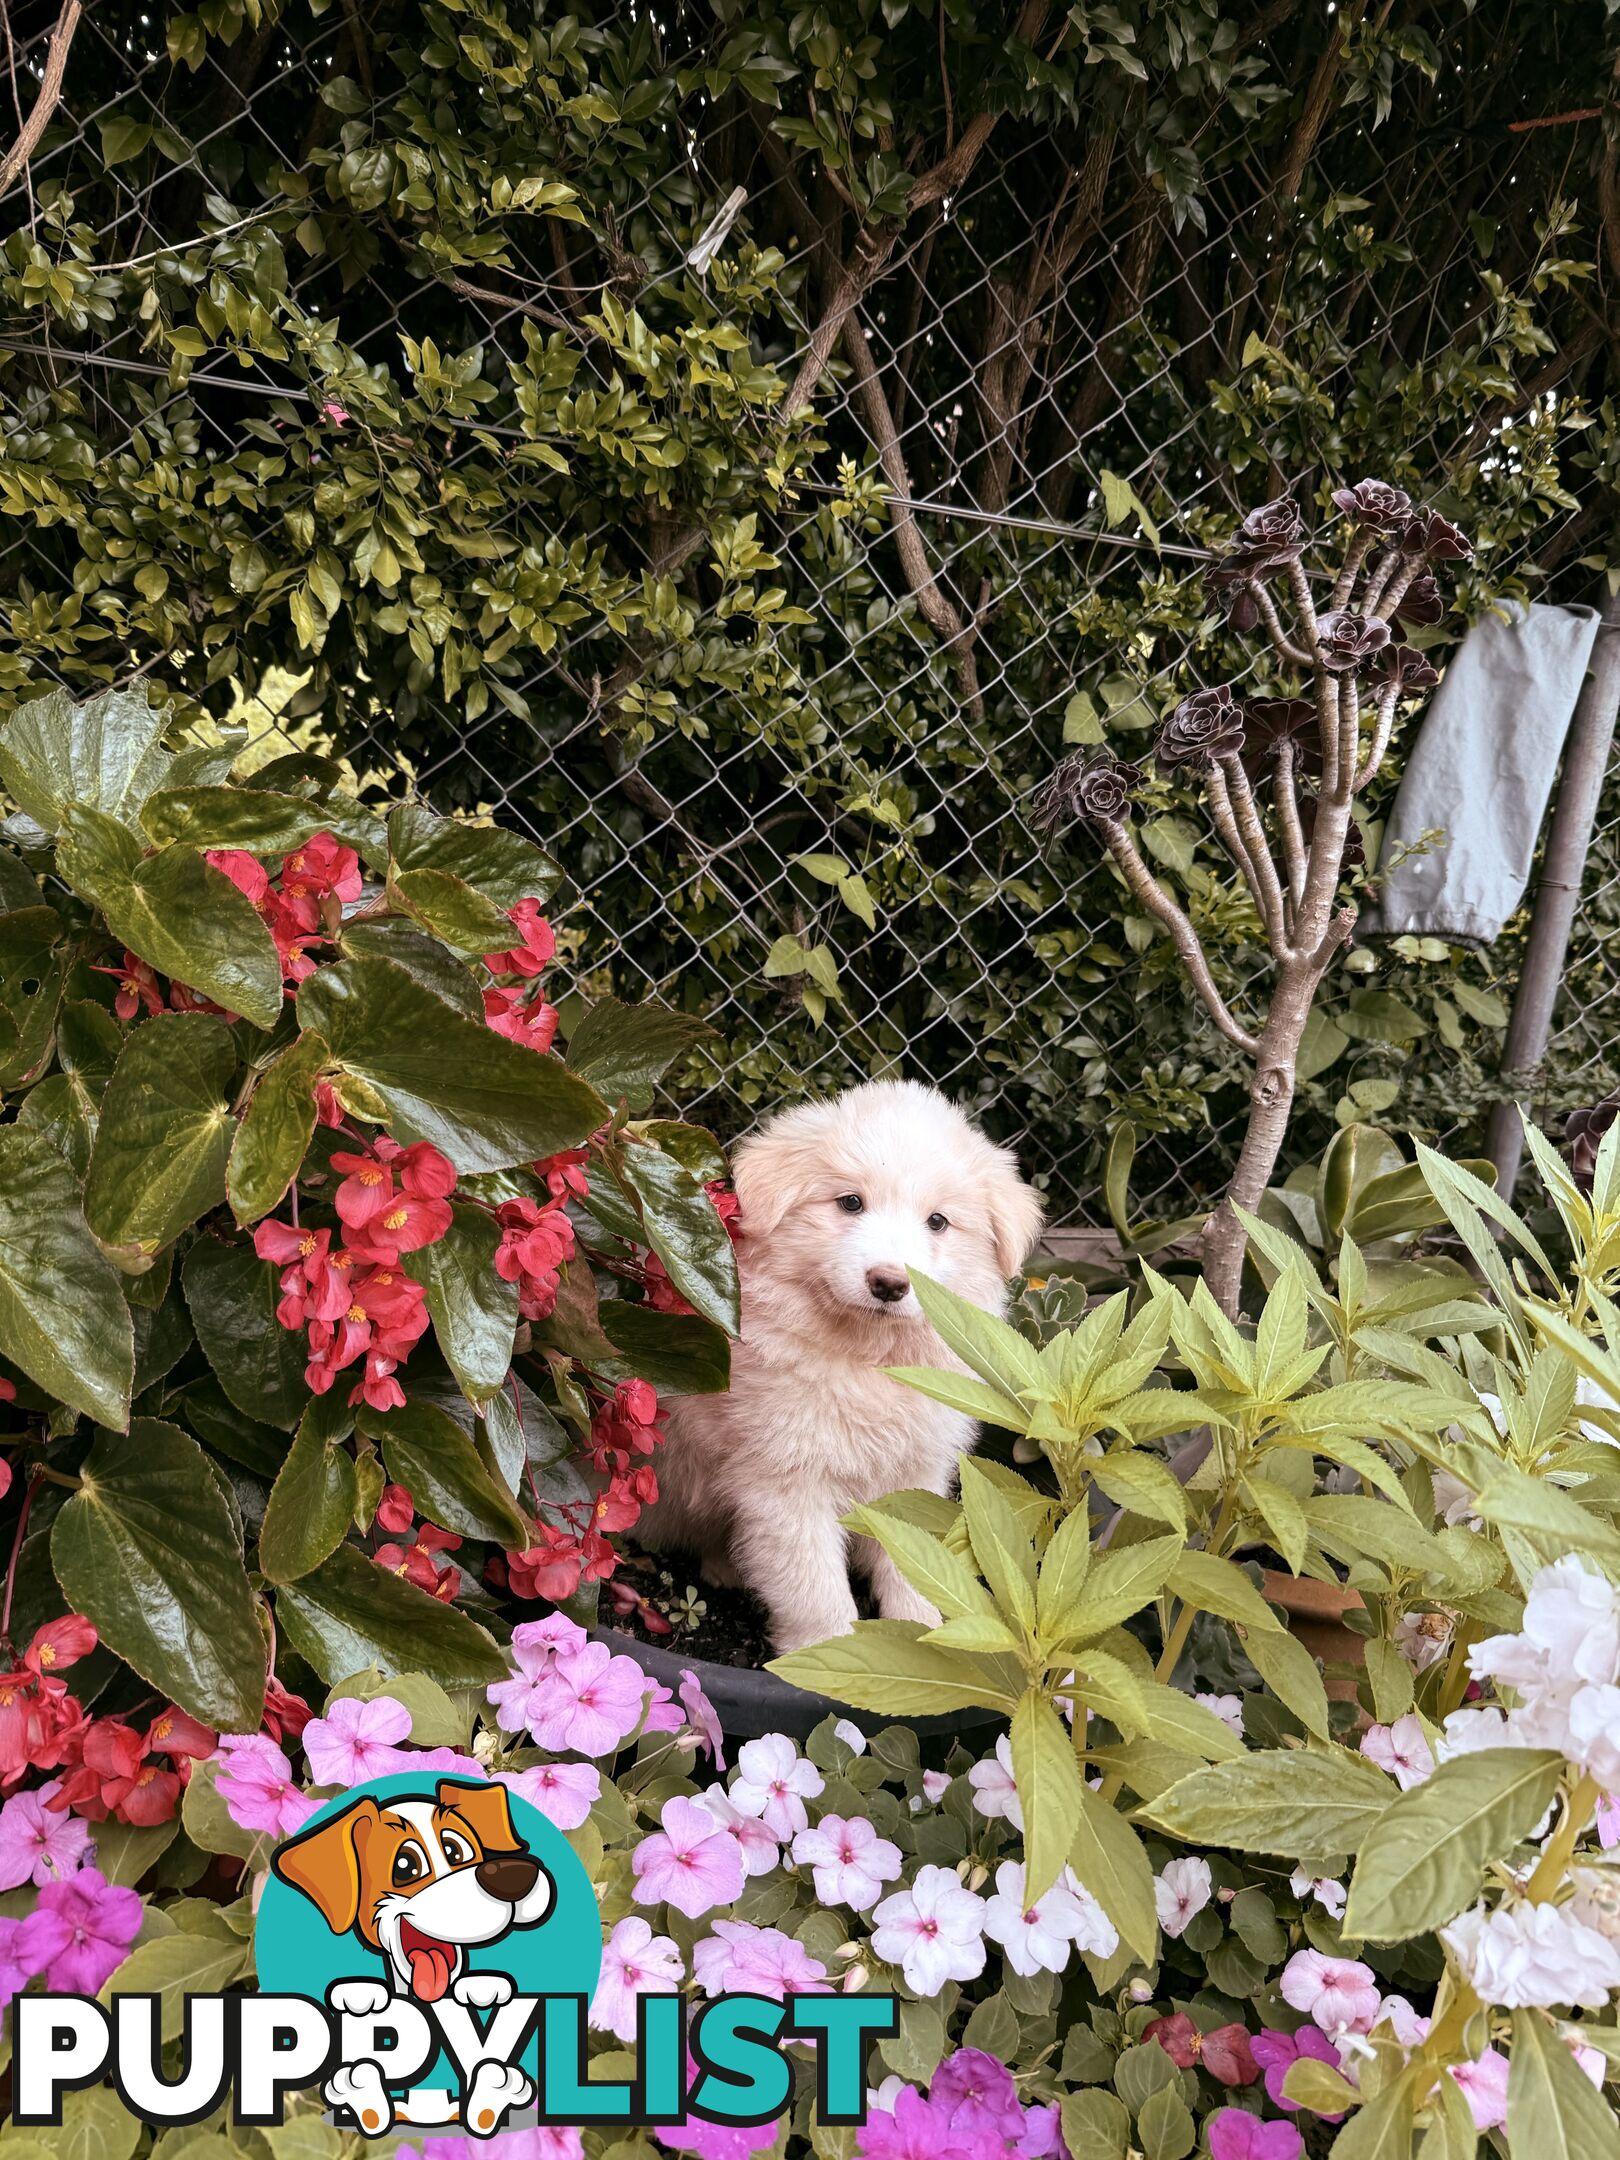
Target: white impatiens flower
[849,1861]
[994,1793]
[851,1735]
[1181,1892]
[1330,1895]
[934,1931]
[773,1781]
[1228,1708]
[1533,1957]
[758,1843]
[1570,1637]
[1042,1937]
[1423,1638]
[1402,1749]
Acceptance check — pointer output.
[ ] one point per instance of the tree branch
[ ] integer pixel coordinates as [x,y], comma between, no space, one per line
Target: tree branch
[1269,888]
[1145,887]
[1286,651]
[50,95]
[1285,795]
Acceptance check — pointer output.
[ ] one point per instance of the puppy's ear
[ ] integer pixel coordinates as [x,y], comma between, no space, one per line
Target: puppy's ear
[773,1170]
[325,1864]
[486,1810]
[1016,1213]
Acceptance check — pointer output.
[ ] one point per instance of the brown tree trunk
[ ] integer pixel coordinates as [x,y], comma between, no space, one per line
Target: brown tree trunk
[1271,1098]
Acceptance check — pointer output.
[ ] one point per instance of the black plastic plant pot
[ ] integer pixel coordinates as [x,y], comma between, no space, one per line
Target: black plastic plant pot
[749,1701]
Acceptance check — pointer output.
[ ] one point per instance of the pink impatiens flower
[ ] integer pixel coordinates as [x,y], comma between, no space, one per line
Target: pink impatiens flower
[564,1793]
[79,1933]
[357,1740]
[933,1930]
[255,1781]
[534,1649]
[595,1702]
[1182,1890]
[849,1861]
[994,1792]
[688,1862]
[757,1842]
[1277,2053]
[738,1959]
[1402,1749]
[635,1962]
[773,1781]
[1483,2083]
[39,1844]
[1339,1994]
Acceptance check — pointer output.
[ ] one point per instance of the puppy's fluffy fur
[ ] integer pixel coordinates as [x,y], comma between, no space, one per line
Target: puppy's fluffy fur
[811,1426]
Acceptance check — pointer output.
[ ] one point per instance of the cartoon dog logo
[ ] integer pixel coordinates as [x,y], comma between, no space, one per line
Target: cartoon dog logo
[420,1881]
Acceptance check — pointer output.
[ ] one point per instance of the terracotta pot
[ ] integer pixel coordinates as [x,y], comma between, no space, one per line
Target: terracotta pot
[1316,1613]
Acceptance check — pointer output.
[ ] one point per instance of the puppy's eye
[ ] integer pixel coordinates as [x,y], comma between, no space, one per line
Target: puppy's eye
[851,1203]
[938,1222]
[410,1865]
[456,1849]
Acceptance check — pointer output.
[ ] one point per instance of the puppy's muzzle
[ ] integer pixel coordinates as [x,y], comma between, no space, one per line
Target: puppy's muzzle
[886,1286]
[507,1876]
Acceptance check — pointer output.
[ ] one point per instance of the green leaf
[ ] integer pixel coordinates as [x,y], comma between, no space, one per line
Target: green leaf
[625,1050]
[986,1345]
[960,1391]
[1551,1518]
[1390,1677]
[1282,1515]
[685,1230]
[423,958]
[501,865]
[1111,1861]
[474,1313]
[485,1102]
[107,754]
[1121,1583]
[428,1453]
[884,1666]
[680,1353]
[232,1295]
[1320,2088]
[147,1549]
[31,972]
[1424,1859]
[177,912]
[1142,1484]
[1289,1670]
[273,1138]
[942,1576]
[164,1132]
[449,908]
[1288,1803]
[1216,1586]
[258,821]
[63,1319]
[1003,1550]
[312,1501]
[1065,1565]
[350,1614]
[171,1967]
[1096,2124]
[1553,2111]
[1048,1781]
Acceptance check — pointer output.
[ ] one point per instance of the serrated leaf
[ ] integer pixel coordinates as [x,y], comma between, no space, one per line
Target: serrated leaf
[1553,2111]
[942,1576]
[1425,1858]
[1290,1803]
[1111,1861]
[1290,1671]
[625,1050]
[885,1666]
[1121,1583]
[1001,1546]
[1048,1781]
[1065,1565]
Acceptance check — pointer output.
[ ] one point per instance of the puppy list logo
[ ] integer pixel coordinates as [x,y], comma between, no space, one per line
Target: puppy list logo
[427,1949]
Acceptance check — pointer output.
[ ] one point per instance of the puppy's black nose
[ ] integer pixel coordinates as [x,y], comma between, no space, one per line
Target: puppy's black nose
[887,1287]
[508,1875]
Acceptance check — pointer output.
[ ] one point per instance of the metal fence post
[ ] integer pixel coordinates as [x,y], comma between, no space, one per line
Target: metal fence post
[1586,758]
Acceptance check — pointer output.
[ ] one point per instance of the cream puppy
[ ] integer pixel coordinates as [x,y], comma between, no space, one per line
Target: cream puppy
[839,1200]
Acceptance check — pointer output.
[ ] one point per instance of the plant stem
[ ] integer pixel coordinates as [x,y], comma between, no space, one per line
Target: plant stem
[1555,1858]
[34,1484]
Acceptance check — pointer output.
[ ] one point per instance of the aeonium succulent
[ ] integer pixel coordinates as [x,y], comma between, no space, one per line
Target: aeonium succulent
[336,1300]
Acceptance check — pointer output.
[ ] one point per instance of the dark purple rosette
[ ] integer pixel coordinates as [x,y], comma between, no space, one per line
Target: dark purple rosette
[1269,537]
[1404,666]
[1207,725]
[1420,604]
[1374,503]
[1435,538]
[1583,1135]
[1228,585]
[1093,788]
[1348,641]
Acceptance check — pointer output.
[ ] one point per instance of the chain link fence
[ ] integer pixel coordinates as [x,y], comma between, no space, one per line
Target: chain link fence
[1070,376]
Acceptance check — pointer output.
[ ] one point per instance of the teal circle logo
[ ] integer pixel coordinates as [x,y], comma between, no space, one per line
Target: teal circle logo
[433,1889]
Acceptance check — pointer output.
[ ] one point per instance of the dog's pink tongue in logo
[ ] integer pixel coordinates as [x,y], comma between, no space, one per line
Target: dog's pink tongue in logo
[431,1962]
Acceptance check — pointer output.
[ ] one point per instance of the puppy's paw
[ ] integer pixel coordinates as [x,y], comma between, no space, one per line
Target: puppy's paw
[901,1602]
[482,1990]
[797,1634]
[358,1998]
[360,2090]
[496,2089]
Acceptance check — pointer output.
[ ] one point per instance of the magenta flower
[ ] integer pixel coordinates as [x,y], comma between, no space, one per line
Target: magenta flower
[913,2129]
[14,1974]
[849,1861]
[1234,2134]
[1277,2052]
[978,2095]
[564,1793]
[37,1843]
[1042,2134]
[687,1862]
[739,1959]
[635,1962]
[356,1741]
[79,1933]
[715,2141]
[255,1781]
[597,1702]
[532,2144]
